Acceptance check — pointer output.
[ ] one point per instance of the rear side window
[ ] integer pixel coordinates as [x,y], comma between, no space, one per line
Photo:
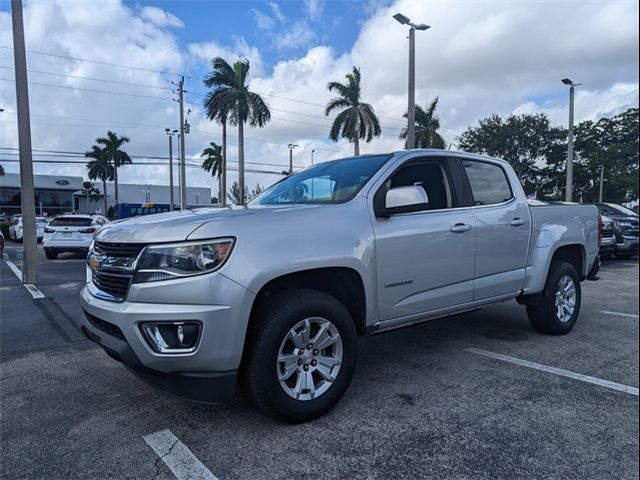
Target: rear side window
[71,222]
[489,184]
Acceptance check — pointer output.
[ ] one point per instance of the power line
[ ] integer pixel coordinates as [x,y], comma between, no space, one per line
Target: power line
[117,82]
[68,87]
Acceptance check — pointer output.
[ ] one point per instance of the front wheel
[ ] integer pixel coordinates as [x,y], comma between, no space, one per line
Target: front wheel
[300,355]
[561,299]
[50,254]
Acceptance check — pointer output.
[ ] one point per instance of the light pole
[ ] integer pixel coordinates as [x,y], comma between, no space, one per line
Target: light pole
[170,133]
[569,195]
[601,183]
[411,110]
[312,152]
[291,146]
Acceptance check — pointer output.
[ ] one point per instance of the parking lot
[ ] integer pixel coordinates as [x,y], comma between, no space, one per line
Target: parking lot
[468,396]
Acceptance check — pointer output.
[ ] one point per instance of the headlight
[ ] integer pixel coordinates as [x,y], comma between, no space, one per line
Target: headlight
[165,262]
[622,224]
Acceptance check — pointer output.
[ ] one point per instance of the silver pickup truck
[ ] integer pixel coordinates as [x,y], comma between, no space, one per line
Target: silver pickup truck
[272,296]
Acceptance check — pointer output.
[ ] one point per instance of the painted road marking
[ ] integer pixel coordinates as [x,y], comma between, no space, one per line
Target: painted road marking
[619,314]
[180,460]
[558,371]
[32,289]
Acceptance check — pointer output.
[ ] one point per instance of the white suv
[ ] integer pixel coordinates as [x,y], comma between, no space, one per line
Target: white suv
[16,231]
[71,233]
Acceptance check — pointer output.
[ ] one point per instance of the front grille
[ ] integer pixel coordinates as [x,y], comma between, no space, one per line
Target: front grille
[607,233]
[106,327]
[114,284]
[120,250]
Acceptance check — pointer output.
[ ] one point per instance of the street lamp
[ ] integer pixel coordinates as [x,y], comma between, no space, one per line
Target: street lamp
[569,194]
[291,146]
[170,133]
[312,152]
[411,110]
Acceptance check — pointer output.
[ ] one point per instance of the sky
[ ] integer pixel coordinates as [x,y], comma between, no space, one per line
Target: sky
[112,64]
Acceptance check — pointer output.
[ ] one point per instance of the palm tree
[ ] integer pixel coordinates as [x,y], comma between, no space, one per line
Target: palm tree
[426,130]
[111,145]
[357,120]
[100,167]
[213,163]
[232,101]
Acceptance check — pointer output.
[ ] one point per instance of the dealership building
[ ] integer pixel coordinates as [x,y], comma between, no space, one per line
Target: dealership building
[56,194]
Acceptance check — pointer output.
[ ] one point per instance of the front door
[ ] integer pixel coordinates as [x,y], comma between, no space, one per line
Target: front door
[425,260]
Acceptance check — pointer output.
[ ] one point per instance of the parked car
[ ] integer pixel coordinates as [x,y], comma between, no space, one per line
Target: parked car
[274,294]
[625,227]
[608,240]
[16,229]
[71,233]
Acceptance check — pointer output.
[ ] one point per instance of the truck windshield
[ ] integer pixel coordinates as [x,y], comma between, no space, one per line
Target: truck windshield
[331,182]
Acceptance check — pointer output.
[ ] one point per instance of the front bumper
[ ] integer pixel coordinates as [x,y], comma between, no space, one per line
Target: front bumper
[627,245]
[208,374]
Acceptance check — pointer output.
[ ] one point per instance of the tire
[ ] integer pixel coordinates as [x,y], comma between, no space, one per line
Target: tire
[50,254]
[275,320]
[1,245]
[545,317]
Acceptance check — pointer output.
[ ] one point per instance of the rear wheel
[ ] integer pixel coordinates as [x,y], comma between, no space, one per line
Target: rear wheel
[558,311]
[300,355]
[50,254]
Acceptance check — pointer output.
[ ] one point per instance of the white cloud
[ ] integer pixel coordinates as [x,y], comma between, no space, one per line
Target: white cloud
[314,9]
[161,18]
[240,49]
[275,9]
[263,21]
[299,35]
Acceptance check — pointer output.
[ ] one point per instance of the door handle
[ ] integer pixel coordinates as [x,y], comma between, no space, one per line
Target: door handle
[460,228]
[516,222]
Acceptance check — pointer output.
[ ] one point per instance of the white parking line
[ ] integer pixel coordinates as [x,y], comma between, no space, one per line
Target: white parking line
[619,314]
[180,460]
[31,288]
[558,371]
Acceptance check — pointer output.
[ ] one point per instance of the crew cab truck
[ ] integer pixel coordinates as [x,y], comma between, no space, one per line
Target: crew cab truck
[273,295]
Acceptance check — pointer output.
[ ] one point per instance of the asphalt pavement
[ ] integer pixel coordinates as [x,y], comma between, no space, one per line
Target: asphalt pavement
[454,398]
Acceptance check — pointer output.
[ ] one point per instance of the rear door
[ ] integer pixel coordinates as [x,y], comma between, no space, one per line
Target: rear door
[503,230]
[424,259]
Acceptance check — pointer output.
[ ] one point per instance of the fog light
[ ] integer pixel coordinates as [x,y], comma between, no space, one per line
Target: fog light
[172,337]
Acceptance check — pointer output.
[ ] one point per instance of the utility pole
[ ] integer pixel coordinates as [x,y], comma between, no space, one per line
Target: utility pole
[569,194]
[312,152]
[28,198]
[601,183]
[183,170]
[170,133]
[291,146]
[411,107]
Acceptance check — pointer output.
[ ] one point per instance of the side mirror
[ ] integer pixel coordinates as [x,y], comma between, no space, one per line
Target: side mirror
[405,200]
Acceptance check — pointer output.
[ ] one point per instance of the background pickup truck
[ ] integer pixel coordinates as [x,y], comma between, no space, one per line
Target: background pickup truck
[274,294]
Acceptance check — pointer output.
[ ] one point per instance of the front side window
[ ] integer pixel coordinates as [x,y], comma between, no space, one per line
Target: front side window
[489,184]
[331,182]
[431,176]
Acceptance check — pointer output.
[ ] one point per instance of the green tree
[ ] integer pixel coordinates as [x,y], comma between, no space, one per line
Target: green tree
[611,143]
[214,162]
[100,167]
[426,129]
[231,100]
[234,193]
[528,142]
[357,120]
[112,144]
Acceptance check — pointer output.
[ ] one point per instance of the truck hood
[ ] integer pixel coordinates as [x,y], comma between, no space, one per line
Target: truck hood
[178,226]
[166,227]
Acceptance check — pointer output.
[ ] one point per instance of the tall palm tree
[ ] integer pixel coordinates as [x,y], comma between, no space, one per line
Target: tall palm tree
[357,120]
[231,100]
[214,163]
[100,167]
[112,146]
[427,125]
